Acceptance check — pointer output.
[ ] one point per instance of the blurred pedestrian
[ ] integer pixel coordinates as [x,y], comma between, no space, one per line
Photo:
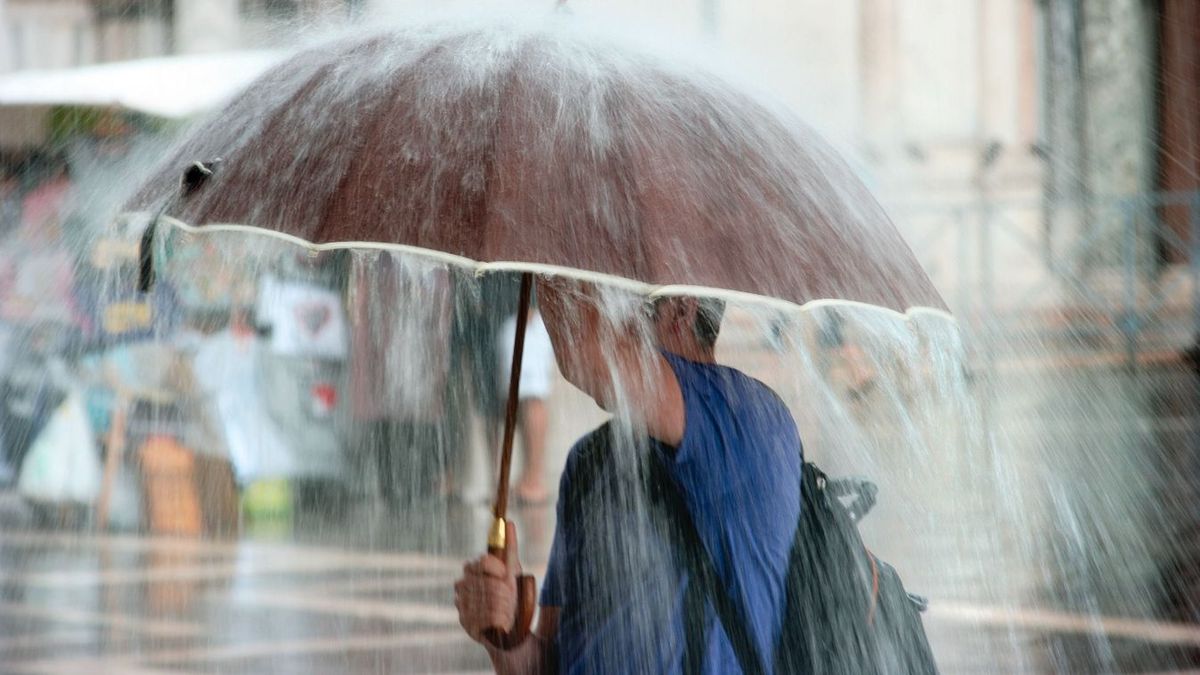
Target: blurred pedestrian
[475,393]
[400,313]
[10,201]
[533,417]
[47,202]
[846,364]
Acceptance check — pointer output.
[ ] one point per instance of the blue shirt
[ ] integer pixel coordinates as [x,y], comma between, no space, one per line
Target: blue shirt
[611,571]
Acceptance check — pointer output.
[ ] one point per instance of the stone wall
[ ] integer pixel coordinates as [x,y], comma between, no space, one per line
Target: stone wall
[1100,134]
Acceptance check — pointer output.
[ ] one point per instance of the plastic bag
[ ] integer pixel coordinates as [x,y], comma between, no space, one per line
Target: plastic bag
[63,465]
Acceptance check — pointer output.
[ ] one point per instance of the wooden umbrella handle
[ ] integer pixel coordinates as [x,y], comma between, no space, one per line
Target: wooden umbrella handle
[500,508]
[497,546]
[526,595]
[526,603]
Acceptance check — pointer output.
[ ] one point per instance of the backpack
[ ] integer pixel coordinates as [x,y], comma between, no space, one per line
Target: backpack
[847,611]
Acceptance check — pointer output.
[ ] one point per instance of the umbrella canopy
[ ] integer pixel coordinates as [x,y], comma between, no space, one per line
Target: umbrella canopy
[546,145]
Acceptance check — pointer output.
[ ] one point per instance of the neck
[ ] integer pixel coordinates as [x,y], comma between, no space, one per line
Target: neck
[694,353]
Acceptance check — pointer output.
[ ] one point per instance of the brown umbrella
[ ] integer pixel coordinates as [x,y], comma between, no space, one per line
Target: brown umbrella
[541,144]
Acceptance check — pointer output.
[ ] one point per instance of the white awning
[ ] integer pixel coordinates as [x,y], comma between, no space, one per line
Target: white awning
[170,87]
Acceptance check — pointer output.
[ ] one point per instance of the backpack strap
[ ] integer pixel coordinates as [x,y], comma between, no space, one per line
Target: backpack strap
[695,628]
[701,573]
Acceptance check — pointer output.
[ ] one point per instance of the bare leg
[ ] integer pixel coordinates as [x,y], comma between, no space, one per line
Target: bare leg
[534,420]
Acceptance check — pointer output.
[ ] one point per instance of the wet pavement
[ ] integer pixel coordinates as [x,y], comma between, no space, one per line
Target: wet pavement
[1100,576]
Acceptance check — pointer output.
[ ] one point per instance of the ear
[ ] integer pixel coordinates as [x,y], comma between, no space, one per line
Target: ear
[667,315]
[685,312]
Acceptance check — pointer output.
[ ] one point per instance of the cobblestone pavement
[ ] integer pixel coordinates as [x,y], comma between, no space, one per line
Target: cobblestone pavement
[366,589]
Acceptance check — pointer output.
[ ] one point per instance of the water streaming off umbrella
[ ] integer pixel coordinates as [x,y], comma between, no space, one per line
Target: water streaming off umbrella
[345,400]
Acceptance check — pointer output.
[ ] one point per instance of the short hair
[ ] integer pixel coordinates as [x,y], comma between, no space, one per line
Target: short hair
[709,312]
[708,320]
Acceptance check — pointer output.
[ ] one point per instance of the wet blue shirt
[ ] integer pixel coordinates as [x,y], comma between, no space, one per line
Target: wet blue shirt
[619,590]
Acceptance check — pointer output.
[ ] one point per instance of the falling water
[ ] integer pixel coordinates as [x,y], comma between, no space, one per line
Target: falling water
[320,420]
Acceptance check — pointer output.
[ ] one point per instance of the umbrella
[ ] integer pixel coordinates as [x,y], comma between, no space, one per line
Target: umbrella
[541,147]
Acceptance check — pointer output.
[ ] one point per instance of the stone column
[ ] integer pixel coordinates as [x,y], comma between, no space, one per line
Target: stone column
[880,74]
[1064,120]
[1119,86]
[998,72]
[1100,141]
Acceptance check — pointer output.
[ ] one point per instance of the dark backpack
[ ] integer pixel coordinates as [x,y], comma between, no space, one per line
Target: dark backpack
[847,611]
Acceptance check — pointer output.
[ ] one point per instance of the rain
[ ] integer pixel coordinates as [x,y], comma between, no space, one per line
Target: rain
[304,329]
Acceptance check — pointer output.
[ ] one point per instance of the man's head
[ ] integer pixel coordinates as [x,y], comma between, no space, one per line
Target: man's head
[592,334]
[688,326]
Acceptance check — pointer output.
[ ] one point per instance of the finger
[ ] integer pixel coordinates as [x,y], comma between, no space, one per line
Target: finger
[466,617]
[475,614]
[485,590]
[494,568]
[513,559]
[472,630]
[474,587]
[475,567]
[500,611]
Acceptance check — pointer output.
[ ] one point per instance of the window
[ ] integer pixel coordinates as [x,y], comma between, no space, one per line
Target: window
[17,31]
[127,10]
[282,10]
[272,9]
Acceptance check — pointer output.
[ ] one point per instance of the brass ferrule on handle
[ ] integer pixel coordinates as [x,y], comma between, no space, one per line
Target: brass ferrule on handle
[497,538]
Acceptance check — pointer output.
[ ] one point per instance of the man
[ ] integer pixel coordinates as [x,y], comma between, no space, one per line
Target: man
[614,597]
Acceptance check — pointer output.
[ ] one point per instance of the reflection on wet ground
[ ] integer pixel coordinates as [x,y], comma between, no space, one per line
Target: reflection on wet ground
[367,588]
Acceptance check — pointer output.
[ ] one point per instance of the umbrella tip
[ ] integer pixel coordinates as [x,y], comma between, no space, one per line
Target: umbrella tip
[196,175]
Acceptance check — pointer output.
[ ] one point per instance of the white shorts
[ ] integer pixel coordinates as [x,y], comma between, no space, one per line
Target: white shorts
[537,364]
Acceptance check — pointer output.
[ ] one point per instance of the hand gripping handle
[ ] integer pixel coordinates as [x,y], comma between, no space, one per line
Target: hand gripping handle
[526,596]
[526,601]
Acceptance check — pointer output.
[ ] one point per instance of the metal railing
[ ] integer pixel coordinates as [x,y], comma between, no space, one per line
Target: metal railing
[1110,273]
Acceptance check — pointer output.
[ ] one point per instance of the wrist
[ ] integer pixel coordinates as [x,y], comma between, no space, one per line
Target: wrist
[509,661]
[498,650]
[521,659]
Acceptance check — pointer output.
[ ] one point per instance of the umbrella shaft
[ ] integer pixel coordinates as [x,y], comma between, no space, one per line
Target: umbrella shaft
[514,390]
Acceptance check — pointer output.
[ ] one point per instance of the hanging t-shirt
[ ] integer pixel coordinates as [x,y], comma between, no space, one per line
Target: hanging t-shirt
[400,315]
[304,319]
